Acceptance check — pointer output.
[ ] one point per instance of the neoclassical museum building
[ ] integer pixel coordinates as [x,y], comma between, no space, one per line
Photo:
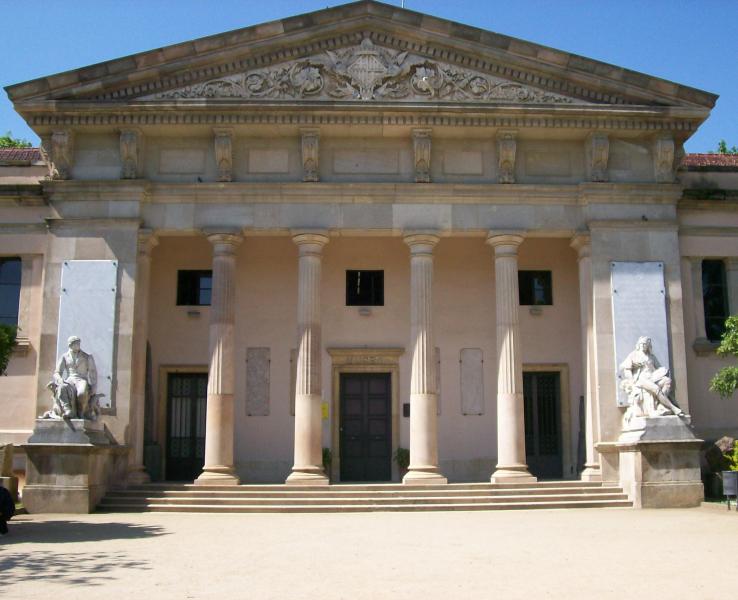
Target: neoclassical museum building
[358,231]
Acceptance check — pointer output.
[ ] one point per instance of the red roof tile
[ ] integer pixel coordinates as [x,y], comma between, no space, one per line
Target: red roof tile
[19,155]
[710,161]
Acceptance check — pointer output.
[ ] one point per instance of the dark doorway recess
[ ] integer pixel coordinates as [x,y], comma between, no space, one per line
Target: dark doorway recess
[186,408]
[366,427]
[542,394]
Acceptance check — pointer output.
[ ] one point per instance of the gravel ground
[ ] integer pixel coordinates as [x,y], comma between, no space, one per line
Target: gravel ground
[600,553]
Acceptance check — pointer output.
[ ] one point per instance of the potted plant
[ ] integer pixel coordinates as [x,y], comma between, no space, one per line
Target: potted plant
[402,458]
[730,477]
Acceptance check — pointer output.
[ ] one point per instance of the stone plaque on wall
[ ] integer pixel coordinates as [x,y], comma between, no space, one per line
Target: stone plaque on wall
[87,310]
[638,309]
[471,363]
[257,382]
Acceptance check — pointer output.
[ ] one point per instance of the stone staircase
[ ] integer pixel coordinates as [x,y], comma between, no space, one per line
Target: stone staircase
[362,497]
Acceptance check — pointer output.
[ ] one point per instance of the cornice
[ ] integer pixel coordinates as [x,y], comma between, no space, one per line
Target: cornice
[602,118]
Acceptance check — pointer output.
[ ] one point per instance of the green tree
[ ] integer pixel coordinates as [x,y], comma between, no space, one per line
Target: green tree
[7,343]
[8,141]
[725,381]
[723,148]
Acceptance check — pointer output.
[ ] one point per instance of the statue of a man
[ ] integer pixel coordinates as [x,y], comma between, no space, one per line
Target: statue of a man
[73,384]
[647,383]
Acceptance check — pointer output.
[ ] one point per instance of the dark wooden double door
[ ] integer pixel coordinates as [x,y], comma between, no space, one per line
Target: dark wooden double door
[365,438]
[186,412]
[543,449]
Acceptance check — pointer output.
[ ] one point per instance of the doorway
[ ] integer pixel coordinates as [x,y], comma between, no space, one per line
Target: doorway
[185,435]
[365,429]
[543,444]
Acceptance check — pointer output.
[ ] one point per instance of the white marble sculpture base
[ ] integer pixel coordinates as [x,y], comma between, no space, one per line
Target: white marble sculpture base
[660,463]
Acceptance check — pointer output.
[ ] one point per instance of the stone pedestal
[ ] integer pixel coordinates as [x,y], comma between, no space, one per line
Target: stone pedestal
[70,465]
[660,463]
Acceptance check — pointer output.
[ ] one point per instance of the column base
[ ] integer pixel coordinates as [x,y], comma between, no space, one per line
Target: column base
[218,476]
[516,474]
[591,473]
[138,476]
[307,476]
[424,477]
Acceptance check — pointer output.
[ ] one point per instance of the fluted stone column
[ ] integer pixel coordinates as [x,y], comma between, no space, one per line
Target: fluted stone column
[219,467]
[511,465]
[136,471]
[308,467]
[582,244]
[423,469]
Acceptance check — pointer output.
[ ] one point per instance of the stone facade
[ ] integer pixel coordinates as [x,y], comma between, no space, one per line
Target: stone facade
[367,137]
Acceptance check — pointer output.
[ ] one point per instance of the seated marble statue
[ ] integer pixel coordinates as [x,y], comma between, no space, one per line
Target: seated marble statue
[73,385]
[647,384]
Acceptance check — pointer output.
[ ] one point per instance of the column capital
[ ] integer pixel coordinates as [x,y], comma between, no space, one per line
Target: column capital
[505,242]
[225,240]
[310,242]
[147,241]
[731,263]
[582,243]
[421,242]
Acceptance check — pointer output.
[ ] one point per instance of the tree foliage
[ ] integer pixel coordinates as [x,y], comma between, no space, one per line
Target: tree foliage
[8,141]
[7,343]
[723,148]
[725,381]
[732,458]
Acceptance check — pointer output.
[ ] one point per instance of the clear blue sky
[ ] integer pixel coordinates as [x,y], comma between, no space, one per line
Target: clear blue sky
[693,42]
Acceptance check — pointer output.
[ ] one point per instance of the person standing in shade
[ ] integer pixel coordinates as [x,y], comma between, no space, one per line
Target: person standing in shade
[7,509]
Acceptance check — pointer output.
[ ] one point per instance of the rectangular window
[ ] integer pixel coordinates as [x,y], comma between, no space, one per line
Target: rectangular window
[194,288]
[535,288]
[364,288]
[10,283]
[715,298]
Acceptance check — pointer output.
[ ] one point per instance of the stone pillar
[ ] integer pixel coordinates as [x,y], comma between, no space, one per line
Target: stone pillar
[219,467]
[582,244]
[423,469]
[511,465]
[308,467]
[136,470]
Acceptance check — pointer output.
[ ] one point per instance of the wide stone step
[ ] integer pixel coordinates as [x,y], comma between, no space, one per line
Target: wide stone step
[243,492]
[360,487]
[378,500]
[410,507]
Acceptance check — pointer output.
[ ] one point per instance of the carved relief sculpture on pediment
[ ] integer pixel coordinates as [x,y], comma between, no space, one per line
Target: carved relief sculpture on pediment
[223,144]
[56,150]
[366,72]
[598,150]
[663,159]
[506,149]
[310,154]
[131,141]
[422,149]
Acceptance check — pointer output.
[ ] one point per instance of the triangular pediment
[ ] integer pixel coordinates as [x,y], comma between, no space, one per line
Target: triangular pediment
[362,52]
[365,72]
